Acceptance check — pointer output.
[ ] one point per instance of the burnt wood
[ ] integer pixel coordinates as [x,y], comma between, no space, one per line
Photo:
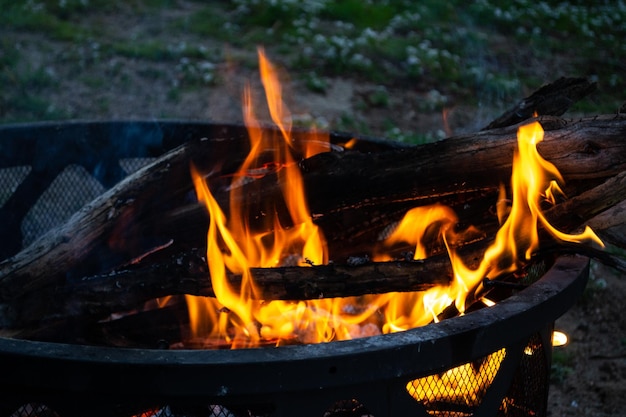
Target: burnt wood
[97,297]
[151,209]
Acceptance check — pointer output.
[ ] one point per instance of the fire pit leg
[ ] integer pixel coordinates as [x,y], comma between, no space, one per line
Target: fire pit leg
[492,401]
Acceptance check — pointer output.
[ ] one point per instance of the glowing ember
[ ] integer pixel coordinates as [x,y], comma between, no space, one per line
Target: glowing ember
[264,239]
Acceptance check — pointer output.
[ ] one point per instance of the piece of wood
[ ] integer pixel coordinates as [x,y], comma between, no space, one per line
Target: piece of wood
[611,225]
[143,211]
[598,208]
[121,224]
[280,283]
[98,297]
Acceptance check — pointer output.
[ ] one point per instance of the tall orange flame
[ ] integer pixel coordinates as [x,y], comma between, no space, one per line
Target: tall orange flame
[237,244]
[533,180]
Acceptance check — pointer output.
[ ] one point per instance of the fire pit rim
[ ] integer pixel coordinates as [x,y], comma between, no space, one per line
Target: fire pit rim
[151,137]
[435,346]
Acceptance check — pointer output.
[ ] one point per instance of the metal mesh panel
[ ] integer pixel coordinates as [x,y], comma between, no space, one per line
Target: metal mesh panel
[343,408]
[528,394]
[70,190]
[347,408]
[10,178]
[34,410]
[41,410]
[131,165]
[457,391]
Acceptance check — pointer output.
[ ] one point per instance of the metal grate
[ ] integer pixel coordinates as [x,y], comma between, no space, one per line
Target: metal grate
[343,408]
[67,193]
[523,375]
[457,391]
[40,410]
[34,410]
[10,178]
[70,190]
[460,391]
[528,394]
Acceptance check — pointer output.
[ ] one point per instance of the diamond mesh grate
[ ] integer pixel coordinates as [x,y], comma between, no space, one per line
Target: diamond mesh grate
[40,410]
[347,408]
[528,395]
[343,408]
[457,391]
[68,192]
[10,178]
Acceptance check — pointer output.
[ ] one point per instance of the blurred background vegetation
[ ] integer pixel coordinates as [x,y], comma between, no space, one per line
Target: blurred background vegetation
[390,68]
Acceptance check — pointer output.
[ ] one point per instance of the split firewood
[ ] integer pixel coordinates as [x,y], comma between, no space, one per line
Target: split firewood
[152,206]
[187,273]
[100,296]
[602,208]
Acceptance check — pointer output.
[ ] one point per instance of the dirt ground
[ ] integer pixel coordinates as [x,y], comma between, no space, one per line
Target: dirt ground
[590,372]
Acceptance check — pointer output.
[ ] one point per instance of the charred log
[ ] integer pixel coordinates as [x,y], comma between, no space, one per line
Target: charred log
[97,297]
[154,210]
[151,207]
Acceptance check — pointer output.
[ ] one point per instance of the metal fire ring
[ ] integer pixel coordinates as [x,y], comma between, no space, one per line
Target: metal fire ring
[211,375]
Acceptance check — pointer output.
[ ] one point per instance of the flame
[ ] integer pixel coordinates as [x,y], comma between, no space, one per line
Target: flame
[235,245]
[533,181]
[283,233]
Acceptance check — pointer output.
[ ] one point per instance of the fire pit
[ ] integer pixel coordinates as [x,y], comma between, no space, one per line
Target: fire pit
[492,361]
[349,276]
[497,362]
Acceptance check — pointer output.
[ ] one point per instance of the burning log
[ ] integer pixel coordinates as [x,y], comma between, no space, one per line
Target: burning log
[100,296]
[601,208]
[457,171]
[463,172]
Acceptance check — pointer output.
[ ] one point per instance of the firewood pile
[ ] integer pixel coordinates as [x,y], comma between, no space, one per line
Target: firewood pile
[145,238]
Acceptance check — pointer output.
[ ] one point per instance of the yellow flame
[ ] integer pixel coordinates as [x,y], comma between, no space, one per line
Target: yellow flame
[282,232]
[235,245]
[533,181]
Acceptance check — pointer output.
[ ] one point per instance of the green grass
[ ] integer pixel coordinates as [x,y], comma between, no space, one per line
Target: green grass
[360,13]
[148,50]
[23,92]
[485,52]
[45,17]
[207,22]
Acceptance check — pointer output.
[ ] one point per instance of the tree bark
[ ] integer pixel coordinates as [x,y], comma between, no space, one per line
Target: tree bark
[353,196]
[98,297]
